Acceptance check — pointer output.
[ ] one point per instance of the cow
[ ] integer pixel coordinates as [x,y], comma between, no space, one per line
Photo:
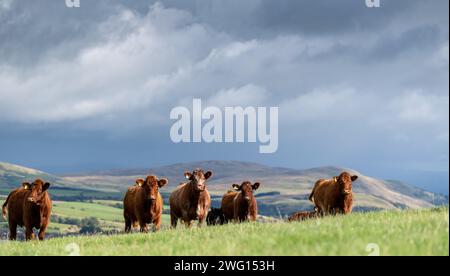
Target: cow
[191,200]
[143,204]
[334,196]
[215,217]
[304,215]
[240,204]
[29,206]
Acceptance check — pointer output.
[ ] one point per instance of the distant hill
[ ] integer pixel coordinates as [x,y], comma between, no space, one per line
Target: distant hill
[283,190]
[12,176]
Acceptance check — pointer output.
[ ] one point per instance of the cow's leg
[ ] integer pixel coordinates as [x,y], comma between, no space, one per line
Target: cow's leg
[29,235]
[42,233]
[173,220]
[334,211]
[12,230]
[144,228]
[201,220]
[157,224]
[127,224]
[42,230]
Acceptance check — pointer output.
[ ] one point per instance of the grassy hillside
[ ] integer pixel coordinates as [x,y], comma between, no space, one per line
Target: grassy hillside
[283,191]
[108,212]
[413,232]
[12,176]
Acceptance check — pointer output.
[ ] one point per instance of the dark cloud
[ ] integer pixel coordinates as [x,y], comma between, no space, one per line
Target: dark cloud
[354,85]
[32,30]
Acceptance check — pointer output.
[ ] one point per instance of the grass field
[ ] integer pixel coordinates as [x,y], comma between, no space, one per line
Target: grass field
[83,210]
[107,212]
[412,232]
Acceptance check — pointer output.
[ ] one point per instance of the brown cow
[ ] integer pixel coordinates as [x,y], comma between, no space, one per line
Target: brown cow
[29,206]
[334,195]
[144,204]
[240,205]
[191,201]
[305,215]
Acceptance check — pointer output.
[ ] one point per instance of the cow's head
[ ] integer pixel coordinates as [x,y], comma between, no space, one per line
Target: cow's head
[345,180]
[151,185]
[198,178]
[38,190]
[246,189]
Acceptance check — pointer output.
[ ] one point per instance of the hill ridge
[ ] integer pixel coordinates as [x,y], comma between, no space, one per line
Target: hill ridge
[283,189]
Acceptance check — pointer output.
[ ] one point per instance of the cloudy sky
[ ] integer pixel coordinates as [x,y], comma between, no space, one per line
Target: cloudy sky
[92,87]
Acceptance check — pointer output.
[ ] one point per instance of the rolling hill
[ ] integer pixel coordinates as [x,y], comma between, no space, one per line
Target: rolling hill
[282,192]
[12,176]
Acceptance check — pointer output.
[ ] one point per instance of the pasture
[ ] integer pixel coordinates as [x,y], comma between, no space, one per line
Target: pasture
[409,232]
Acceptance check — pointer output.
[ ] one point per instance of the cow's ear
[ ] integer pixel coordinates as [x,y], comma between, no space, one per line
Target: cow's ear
[46,186]
[236,187]
[256,186]
[354,177]
[26,185]
[162,182]
[188,175]
[208,174]
[140,182]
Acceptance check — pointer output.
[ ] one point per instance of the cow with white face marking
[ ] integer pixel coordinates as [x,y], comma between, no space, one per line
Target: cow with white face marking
[191,200]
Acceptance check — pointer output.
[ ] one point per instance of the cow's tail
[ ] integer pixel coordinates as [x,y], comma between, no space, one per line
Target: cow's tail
[312,192]
[4,207]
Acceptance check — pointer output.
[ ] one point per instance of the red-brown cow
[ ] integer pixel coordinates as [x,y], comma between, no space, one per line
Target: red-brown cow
[240,205]
[29,207]
[143,204]
[335,195]
[305,215]
[191,201]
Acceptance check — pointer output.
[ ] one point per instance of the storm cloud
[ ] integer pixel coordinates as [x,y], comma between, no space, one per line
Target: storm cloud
[357,87]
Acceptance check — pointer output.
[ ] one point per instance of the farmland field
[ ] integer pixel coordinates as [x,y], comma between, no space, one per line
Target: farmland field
[410,232]
[109,213]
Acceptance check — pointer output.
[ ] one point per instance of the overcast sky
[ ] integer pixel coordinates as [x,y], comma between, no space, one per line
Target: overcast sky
[92,87]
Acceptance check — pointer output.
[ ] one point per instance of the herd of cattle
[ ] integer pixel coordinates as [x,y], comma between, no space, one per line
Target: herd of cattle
[30,205]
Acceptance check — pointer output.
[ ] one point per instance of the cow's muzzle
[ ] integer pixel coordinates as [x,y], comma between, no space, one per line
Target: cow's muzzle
[346,192]
[200,187]
[30,199]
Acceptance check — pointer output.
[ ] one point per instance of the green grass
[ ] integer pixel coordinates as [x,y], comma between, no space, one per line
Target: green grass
[110,217]
[412,232]
[83,210]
